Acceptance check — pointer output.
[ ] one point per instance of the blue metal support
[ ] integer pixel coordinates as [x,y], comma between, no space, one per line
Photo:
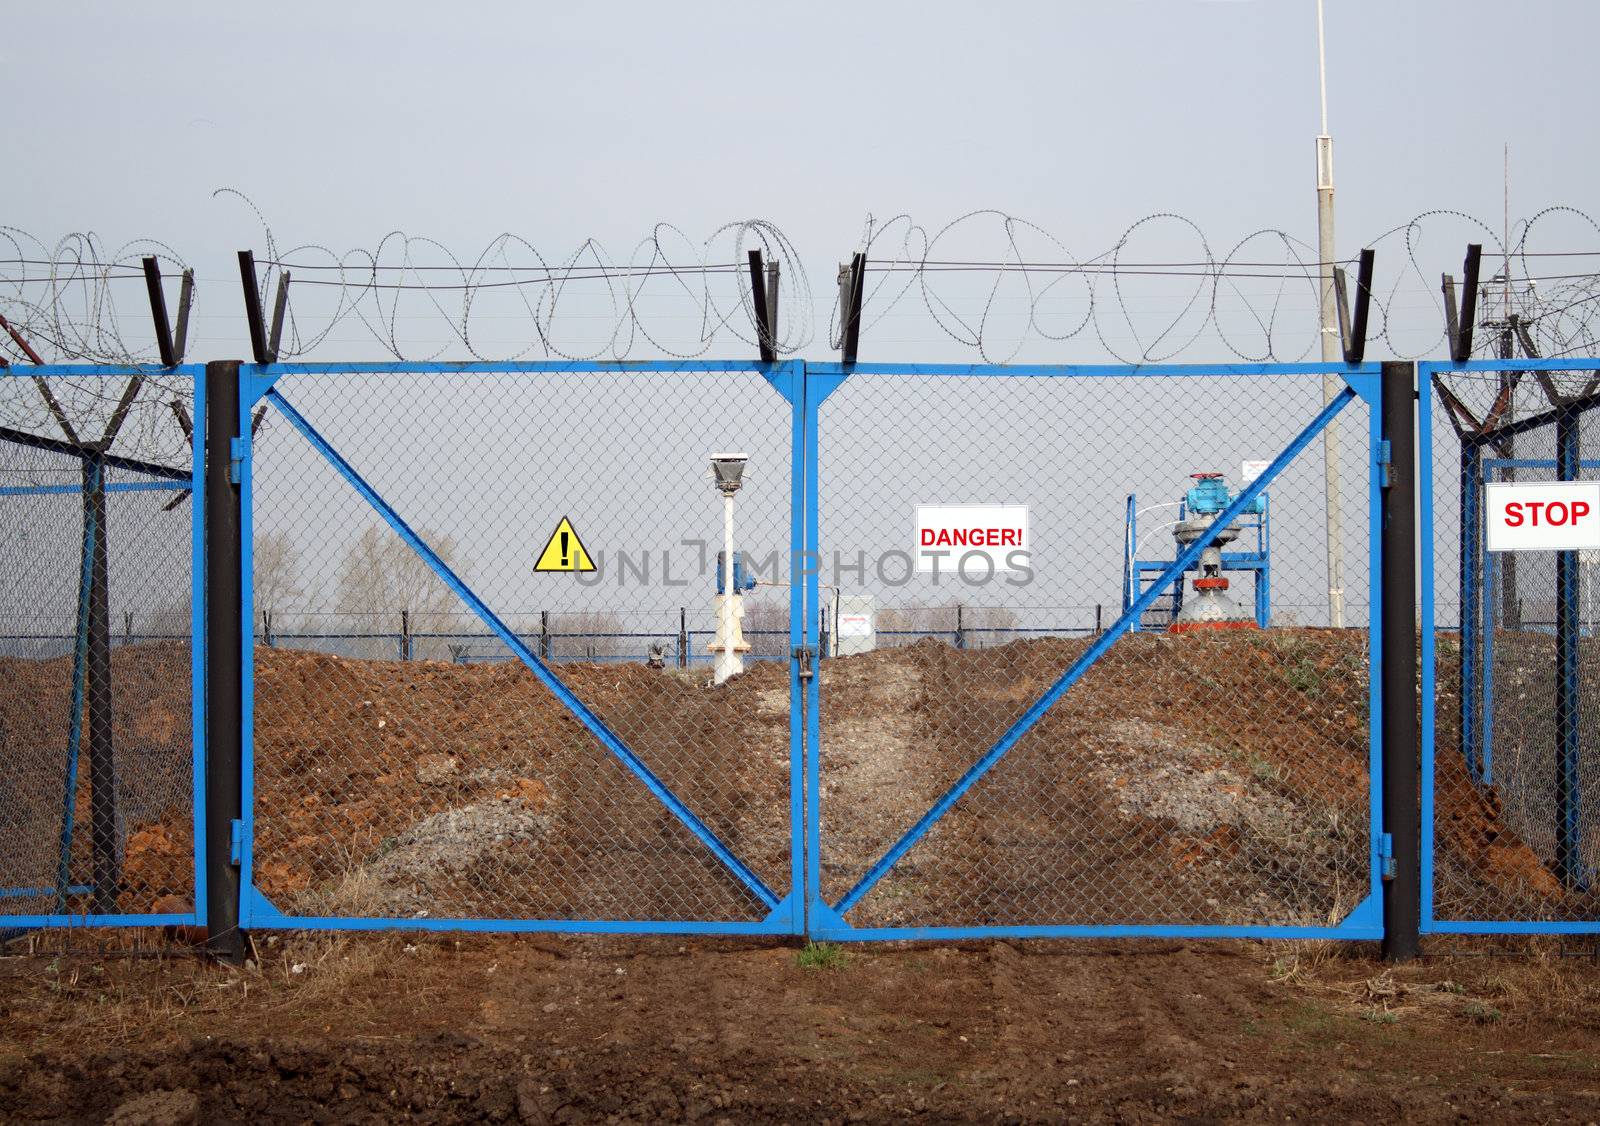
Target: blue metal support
[581,711]
[199,638]
[803,666]
[1428,649]
[1472,608]
[1186,559]
[1010,371]
[819,384]
[1489,619]
[80,657]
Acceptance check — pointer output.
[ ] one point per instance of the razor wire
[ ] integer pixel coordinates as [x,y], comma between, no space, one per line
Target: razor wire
[67,302]
[1545,271]
[987,281]
[1258,300]
[707,282]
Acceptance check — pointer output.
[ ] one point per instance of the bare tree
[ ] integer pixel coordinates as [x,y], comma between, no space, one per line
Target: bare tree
[766,629]
[381,576]
[275,577]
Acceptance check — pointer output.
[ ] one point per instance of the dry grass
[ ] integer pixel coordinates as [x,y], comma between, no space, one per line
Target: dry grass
[1520,984]
[62,990]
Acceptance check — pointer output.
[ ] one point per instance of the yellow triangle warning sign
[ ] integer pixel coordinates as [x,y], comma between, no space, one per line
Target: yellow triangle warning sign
[565,551]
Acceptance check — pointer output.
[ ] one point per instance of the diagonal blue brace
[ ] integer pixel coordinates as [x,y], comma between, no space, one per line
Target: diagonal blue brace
[1186,559]
[91,534]
[593,722]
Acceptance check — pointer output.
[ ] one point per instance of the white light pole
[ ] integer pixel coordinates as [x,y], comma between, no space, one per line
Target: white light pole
[1332,348]
[728,472]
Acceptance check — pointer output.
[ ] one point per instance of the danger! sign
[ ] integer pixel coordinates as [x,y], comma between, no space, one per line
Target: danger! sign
[972,538]
[1547,516]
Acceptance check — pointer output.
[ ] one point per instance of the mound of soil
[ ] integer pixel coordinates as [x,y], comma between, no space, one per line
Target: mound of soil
[1209,778]
[152,749]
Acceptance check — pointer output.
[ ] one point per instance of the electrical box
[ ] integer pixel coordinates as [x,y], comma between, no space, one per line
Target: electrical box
[855,626]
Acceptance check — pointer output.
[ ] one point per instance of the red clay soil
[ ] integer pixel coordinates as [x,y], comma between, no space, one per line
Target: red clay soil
[354,757]
[151,740]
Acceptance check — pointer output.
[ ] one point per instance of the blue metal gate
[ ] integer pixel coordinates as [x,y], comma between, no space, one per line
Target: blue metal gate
[1510,668]
[102,713]
[1028,782]
[1051,771]
[518,793]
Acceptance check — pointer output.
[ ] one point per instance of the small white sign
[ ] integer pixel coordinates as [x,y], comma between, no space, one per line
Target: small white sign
[972,539]
[855,625]
[1250,470]
[1548,516]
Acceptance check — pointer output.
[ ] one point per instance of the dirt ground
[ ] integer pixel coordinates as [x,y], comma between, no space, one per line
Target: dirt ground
[1204,779]
[535,1029]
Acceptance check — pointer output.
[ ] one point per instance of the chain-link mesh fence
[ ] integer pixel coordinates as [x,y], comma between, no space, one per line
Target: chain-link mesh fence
[428,772]
[1214,774]
[1516,833]
[97,763]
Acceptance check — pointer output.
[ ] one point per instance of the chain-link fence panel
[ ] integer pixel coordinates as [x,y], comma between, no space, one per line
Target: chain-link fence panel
[1212,768]
[98,763]
[1515,834]
[408,763]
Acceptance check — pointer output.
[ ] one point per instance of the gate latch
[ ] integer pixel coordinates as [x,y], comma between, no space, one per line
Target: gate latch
[1385,460]
[1386,855]
[236,841]
[804,655]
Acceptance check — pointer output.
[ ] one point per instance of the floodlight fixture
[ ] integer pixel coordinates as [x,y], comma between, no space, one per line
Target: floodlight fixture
[728,470]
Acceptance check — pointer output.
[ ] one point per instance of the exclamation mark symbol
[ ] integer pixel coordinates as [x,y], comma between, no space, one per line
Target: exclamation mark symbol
[564,561]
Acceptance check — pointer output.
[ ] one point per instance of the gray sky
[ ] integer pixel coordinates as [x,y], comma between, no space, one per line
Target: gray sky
[565,122]
[560,122]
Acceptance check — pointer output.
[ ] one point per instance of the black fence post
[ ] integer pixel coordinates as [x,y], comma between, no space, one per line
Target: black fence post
[1402,906]
[1510,603]
[102,760]
[961,633]
[823,636]
[1099,619]
[405,635]
[544,636]
[1569,835]
[224,662]
[683,637]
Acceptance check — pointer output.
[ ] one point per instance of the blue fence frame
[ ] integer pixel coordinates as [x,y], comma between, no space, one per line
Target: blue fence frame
[800,909]
[197,660]
[1476,688]
[826,920]
[258,384]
